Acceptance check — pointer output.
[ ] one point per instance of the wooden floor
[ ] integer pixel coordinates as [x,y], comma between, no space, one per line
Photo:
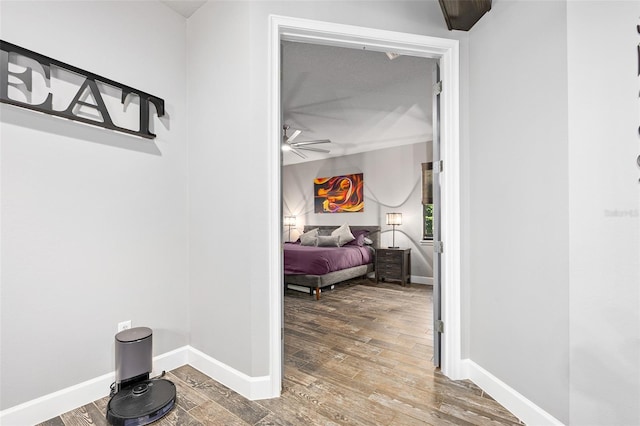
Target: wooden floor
[359,356]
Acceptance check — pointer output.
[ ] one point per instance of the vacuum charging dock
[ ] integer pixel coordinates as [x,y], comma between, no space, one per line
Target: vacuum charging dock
[138,400]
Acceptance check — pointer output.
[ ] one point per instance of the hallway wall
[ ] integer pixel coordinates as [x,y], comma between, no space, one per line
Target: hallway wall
[519,262]
[93,221]
[604,204]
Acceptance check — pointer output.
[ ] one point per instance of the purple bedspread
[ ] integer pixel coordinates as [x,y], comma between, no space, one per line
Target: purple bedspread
[310,260]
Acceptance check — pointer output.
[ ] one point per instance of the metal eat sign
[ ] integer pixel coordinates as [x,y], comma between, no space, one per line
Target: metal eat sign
[23,81]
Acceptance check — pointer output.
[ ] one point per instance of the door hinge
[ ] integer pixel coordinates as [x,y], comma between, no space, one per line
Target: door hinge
[437,87]
[438,167]
[439,326]
[438,247]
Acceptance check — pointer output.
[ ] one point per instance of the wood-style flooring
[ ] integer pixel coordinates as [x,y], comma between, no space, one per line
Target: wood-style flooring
[361,355]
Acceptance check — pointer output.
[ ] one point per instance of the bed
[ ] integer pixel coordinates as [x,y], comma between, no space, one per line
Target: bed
[315,268]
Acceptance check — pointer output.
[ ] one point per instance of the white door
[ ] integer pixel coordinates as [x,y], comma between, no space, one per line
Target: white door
[437,219]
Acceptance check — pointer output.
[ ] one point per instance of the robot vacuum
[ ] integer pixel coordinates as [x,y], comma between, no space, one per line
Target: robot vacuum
[136,399]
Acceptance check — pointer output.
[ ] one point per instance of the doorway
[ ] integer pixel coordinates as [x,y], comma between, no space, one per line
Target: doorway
[446,52]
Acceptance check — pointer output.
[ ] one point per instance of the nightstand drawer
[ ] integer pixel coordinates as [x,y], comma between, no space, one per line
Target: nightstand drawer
[383,266]
[390,268]
[389,255]
[389,260]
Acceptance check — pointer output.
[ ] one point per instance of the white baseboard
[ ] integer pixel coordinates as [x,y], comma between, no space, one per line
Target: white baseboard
[59,402]
[252,388]
[52,405]
[511,399]
[416,279]
[170,360]
[64,400]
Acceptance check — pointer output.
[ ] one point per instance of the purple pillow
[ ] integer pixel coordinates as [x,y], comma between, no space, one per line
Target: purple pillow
[360,235]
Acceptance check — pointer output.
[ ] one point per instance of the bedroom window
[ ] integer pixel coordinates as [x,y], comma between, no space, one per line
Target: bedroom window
[427,201]
[427,213]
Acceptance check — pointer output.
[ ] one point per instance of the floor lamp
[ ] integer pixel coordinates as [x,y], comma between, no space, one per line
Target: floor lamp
[394,219]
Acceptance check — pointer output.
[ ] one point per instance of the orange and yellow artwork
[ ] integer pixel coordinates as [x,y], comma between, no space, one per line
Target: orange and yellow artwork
[339,194]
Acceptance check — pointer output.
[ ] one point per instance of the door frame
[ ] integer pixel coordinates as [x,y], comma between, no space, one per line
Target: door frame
[283,28]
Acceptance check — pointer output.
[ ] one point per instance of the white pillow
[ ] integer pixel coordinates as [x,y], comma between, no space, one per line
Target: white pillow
[309,238]
[344,235]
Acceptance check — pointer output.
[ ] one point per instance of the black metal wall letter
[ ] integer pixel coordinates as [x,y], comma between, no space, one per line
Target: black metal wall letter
[25,83]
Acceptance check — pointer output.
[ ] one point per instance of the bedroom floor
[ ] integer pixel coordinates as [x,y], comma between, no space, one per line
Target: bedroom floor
[359,356]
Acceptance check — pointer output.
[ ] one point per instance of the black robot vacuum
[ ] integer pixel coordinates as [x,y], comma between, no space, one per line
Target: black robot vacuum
[135,398]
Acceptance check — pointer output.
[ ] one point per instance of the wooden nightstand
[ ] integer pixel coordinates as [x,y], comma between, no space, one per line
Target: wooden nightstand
[393,264]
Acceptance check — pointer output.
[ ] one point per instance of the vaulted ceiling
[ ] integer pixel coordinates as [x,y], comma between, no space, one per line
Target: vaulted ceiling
[360,99]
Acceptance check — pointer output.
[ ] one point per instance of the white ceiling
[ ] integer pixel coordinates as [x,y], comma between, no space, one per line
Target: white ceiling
[359,99]
[184,7]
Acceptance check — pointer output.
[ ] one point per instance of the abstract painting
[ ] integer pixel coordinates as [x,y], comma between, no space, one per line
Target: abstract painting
[339,194]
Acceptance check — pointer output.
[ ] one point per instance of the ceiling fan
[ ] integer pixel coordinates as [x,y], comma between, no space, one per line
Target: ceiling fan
[288,143]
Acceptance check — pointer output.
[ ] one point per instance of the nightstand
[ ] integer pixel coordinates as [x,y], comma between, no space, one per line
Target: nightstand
[393,264]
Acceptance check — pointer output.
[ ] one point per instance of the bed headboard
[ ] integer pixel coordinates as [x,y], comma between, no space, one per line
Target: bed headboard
[374,231]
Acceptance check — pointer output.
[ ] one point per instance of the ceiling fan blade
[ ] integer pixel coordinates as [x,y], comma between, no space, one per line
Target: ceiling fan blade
[311,142]
[297,152]
[294,135]
[308,148]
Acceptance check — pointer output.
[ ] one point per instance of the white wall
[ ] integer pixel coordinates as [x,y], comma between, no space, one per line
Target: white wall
[93,222]
[555,223]
[392,183]
[519,292]
[604,117]
[228,89]
[224,175]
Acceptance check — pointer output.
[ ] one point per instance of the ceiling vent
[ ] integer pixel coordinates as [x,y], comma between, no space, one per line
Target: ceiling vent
[463,14]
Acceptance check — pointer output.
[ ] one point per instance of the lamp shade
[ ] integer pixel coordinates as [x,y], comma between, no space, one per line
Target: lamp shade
[289,221]
[394,218]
